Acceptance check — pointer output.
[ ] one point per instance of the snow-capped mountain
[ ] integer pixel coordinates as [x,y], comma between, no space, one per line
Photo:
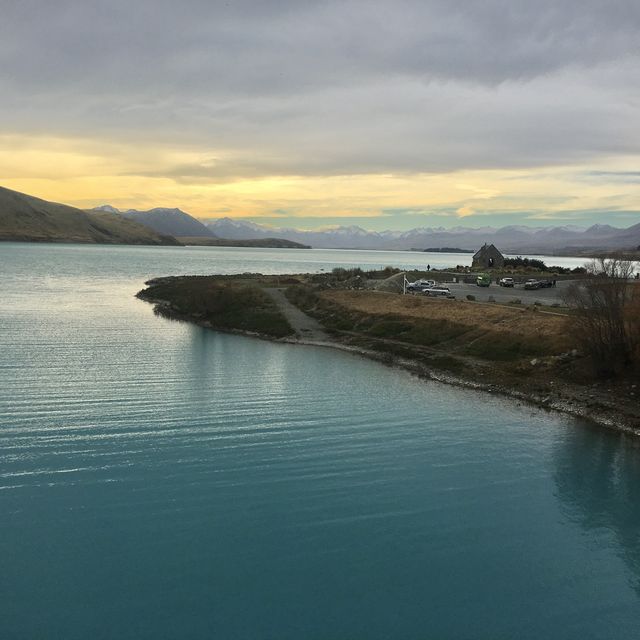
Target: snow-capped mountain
[106,207]
[511,239]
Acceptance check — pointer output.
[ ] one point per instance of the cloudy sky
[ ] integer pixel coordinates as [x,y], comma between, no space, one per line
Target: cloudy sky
[385,114]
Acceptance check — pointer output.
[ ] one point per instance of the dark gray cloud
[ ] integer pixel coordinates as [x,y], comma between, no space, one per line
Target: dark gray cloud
[272,47]
[330,87]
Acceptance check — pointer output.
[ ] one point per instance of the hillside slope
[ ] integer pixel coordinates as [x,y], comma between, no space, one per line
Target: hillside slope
[172,222]
[24,218]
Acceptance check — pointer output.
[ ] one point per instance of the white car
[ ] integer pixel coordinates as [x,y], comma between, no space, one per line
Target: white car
[421,285]
[437,291]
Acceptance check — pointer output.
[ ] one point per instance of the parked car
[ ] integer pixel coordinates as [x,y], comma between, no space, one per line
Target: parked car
[483,280]
[544,284]
[506,282]
[532,283]
[421,285]
[437,291]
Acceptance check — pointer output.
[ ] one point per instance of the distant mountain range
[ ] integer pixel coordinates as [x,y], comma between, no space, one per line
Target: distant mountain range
[510,239]
[189,230]
[24,218]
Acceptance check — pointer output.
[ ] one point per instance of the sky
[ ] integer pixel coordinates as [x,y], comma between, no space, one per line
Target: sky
[389,115]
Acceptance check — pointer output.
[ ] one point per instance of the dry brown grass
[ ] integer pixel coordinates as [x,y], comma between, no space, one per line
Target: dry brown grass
[483,317]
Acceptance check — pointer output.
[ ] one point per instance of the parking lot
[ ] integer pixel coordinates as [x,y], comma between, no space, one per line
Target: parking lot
[547,296]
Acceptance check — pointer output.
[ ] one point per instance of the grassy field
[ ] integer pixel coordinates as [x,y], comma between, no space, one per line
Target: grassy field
[489,332]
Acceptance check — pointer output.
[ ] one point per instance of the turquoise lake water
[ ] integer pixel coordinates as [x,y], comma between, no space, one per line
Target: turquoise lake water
[158,480]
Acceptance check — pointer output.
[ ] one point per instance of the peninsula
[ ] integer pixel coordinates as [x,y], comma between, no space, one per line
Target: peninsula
[526,350]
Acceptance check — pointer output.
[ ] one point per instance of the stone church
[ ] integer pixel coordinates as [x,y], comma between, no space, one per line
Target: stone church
[487,257]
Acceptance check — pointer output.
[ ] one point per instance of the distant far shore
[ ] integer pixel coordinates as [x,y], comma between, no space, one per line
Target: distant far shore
[266,243]
[444,250]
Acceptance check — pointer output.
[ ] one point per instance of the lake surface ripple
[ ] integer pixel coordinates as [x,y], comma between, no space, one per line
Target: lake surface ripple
[158,480]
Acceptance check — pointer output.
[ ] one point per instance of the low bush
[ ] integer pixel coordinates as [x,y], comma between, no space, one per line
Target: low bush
[224,305]
[425,332]
[389,328]
[505,348]
[527,263]
[346,274]
[302,297]
[381,274]
[447,363]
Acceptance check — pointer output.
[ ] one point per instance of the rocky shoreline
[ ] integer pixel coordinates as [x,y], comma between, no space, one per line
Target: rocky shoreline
[572,402]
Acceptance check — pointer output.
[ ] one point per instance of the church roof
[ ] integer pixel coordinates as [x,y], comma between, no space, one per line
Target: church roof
[485,248]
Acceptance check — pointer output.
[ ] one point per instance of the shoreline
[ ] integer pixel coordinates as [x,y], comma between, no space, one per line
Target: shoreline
[574,402]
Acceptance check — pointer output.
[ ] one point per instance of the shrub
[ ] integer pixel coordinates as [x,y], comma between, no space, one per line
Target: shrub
[471,297]
[302,297]
[225,305]
[447,363]
[389,328]
[527,263]
[505,348]
[346,274]
[606,320]
[382,274]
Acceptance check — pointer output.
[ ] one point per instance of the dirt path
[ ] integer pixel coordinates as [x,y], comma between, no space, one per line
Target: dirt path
[306,327]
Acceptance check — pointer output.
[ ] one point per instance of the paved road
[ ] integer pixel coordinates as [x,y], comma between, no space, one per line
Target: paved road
[504,294]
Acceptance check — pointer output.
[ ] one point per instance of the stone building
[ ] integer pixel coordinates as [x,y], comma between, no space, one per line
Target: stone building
[487,257]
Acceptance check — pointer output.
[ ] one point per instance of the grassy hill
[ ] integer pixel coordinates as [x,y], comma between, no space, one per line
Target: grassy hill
[24,218]
[172,222]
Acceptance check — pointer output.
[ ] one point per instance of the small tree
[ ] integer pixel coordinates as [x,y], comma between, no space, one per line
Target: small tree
[607,318]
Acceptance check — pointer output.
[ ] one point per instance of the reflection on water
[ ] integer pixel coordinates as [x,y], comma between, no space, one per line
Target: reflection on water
[158,480]
[598,482]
